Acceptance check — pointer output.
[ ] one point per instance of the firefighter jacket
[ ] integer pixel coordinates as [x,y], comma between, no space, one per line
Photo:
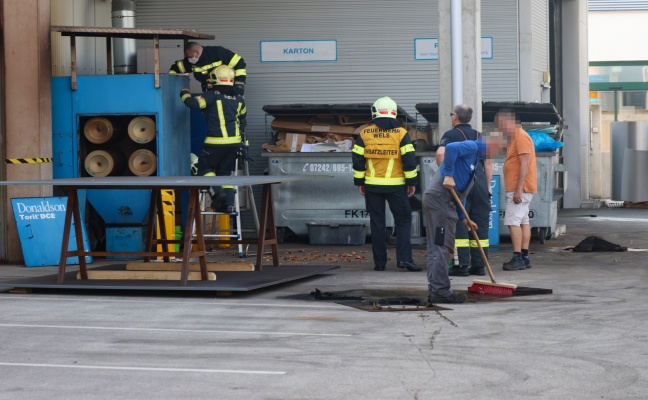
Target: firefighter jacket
[212,57]
[384,158]
[225,115]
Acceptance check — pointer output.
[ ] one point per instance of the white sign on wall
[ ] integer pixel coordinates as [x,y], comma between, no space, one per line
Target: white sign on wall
[298,50]
[428,48]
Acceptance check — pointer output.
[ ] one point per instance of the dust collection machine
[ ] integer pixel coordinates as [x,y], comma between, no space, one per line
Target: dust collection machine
[124,124]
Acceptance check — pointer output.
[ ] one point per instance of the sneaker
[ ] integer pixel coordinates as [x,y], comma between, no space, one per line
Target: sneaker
[516,264]
[480,271]
[458,270]
[410,266]
[453,298]
[527,262]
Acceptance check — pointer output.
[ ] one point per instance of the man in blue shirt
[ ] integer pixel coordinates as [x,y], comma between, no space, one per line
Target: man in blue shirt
[441,213]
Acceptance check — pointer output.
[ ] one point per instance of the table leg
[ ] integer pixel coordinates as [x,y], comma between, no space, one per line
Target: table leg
[150,225]
[78,231]
[200,238]
[162,226]
[267,223]
[191,221]
[71,204]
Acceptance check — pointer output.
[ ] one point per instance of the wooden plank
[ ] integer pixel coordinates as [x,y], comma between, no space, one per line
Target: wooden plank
[211,266]
[145,275]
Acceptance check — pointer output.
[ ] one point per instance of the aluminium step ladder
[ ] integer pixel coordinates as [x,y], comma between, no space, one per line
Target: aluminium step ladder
[217,232]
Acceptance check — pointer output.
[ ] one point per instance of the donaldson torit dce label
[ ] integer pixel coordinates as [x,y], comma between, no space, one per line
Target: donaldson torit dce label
[40,222]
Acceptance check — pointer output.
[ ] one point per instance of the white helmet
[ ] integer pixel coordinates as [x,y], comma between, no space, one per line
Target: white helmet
[384,107]
[223,76]
[194,164]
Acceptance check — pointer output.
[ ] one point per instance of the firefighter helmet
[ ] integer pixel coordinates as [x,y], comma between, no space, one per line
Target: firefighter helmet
[222,75]
[384,107]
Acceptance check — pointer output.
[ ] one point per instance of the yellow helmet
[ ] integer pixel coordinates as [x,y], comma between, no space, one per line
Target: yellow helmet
[384,107]
[222,75]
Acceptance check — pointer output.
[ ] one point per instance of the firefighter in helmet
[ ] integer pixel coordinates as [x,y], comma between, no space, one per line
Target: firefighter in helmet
[384,169]
[225,113]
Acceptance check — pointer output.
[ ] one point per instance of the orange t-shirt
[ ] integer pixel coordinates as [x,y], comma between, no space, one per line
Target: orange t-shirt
[521,143]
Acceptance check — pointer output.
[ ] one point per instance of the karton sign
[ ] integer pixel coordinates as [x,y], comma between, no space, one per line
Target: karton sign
[428,48]
[298,51]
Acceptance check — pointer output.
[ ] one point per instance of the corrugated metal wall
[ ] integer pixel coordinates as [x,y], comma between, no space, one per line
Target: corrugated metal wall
[500,76]
[91,52]
[617,5]
[375,48]
[540,21]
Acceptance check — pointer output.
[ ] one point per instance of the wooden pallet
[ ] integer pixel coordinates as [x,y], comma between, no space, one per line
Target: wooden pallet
[643,204]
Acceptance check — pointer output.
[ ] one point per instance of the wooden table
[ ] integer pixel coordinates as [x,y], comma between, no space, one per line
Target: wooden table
[193,184]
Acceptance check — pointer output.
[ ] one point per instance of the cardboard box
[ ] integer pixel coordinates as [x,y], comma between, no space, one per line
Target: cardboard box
[294,141]
[290,126]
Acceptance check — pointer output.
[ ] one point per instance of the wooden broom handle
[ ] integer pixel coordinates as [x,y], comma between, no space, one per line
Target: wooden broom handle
[481,250]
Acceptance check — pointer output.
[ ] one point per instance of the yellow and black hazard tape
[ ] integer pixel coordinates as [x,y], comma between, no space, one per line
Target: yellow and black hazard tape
[27,160]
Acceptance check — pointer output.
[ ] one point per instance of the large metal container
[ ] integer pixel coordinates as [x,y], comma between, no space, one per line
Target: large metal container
[629,161]
[156,115]
[329,201]
[543,210]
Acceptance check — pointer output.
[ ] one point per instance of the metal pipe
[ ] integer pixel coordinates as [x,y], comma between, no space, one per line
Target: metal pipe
[456,39]
[124,50]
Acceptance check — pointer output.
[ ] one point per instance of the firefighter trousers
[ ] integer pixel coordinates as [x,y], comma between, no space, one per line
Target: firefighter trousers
[478,208]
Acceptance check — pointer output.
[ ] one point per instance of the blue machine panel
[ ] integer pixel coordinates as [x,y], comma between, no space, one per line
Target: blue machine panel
[125,238]
[40,221]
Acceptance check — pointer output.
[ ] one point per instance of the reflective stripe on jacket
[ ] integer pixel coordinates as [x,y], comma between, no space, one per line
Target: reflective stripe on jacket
[384,157]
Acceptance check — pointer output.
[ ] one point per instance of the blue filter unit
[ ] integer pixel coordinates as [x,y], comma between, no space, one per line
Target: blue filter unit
[120,125]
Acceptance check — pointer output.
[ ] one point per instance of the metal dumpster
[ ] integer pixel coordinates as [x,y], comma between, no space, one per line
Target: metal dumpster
[331,201]
[543,211]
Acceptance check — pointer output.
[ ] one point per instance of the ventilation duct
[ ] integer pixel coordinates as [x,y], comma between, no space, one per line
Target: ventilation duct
[124,50]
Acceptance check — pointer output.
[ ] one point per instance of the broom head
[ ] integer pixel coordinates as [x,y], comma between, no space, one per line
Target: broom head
[487,287]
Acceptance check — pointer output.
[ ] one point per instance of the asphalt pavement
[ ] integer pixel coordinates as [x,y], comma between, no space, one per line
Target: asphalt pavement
[588,339]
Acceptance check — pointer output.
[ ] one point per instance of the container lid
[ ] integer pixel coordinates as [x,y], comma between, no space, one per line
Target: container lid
[525,111]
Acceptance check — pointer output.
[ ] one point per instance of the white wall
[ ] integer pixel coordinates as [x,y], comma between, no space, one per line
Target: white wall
[618,35]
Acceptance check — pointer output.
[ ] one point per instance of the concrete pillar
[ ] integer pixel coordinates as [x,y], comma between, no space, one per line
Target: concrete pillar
[28,107]
[575,101]
[472,66]
[471,59]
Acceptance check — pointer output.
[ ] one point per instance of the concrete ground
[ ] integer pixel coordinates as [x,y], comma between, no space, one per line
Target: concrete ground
[589,339]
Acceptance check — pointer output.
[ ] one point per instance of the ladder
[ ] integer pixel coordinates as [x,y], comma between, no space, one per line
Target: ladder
[227,233]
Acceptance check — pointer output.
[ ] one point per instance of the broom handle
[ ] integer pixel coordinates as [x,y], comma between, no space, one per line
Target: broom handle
[481,250]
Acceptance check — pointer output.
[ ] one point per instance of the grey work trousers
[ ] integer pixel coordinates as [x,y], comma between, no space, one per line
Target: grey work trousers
[441,220]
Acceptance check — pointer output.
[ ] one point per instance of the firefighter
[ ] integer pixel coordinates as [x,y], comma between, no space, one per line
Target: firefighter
[478,204]
[384,169]
[202,60]
[225,114]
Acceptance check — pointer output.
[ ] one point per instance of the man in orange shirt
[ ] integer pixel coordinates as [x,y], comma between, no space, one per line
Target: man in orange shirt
[520,185]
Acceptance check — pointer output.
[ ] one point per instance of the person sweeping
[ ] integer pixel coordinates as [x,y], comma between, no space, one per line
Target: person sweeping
[441,215]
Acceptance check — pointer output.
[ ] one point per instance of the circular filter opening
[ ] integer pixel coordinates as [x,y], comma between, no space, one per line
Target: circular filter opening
[98,130]
[142,163]
[100,163]
[141,129]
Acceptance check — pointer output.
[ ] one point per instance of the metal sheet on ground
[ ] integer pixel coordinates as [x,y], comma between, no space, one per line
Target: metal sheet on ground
[226,282]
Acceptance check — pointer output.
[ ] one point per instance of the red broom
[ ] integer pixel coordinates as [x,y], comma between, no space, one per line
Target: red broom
[479,286]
